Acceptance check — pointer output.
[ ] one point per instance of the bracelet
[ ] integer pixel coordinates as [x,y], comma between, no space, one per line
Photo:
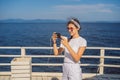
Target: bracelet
[53,42]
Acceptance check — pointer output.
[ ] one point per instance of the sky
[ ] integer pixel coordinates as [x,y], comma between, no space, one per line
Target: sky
[85,10]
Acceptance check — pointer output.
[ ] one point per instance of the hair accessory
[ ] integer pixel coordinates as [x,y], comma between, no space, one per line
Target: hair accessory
[76,23]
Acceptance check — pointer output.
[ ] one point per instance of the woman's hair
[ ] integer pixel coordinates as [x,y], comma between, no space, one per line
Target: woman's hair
[74,21]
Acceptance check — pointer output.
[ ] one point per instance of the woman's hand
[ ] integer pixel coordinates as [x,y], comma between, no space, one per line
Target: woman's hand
[54,37]
[64,41]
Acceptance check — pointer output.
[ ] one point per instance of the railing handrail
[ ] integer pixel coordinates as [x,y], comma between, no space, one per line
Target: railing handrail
[18,47]
[101,65]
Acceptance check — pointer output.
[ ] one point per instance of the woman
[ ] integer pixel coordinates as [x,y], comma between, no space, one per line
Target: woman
[74,48]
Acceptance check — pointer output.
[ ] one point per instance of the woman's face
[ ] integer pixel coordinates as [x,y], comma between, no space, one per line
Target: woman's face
[72,29]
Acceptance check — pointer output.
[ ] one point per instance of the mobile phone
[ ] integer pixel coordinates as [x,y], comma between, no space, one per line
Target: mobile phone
[58,35]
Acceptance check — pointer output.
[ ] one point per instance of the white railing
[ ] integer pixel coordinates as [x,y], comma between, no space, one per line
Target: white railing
[101,65]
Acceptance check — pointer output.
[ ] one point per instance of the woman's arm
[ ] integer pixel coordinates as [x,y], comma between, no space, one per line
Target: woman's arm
[76,56]
[55,49]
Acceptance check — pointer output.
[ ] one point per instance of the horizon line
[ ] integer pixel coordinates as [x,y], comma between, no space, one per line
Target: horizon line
[20,19]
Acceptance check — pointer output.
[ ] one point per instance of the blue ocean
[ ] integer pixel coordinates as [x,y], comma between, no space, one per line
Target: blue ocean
[39,35]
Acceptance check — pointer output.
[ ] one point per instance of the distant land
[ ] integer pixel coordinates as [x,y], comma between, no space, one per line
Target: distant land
[46,21]
[29,21]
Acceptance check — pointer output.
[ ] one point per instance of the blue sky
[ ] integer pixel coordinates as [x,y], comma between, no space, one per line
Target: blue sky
[85,10]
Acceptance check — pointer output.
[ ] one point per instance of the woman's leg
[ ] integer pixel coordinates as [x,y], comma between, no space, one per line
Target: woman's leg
[75,72]
[65,72]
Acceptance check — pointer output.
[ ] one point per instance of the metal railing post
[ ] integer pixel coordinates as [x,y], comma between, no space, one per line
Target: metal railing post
[23,52]
[102,53]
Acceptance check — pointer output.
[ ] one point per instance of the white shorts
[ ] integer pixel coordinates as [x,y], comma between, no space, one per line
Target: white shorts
[71,71]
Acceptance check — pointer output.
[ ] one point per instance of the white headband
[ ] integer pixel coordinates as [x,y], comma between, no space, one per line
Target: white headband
[76,23]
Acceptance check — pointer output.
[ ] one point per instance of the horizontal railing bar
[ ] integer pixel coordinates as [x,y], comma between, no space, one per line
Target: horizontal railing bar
[10,55]
[45,56]
[26,47]
[50,56]
[113,57]
[109,65]
[10,47]
[106,48]
[48,64]
[13,47]
[60,64]
[5,64]
[89,65]
[84,56]
[43,64]
[38,56]
[54,64]
[38,47]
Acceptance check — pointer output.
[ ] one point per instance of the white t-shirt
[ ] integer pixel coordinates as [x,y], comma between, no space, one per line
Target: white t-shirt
[75,44]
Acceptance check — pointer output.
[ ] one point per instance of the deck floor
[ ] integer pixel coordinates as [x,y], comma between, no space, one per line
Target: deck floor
[57,76]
